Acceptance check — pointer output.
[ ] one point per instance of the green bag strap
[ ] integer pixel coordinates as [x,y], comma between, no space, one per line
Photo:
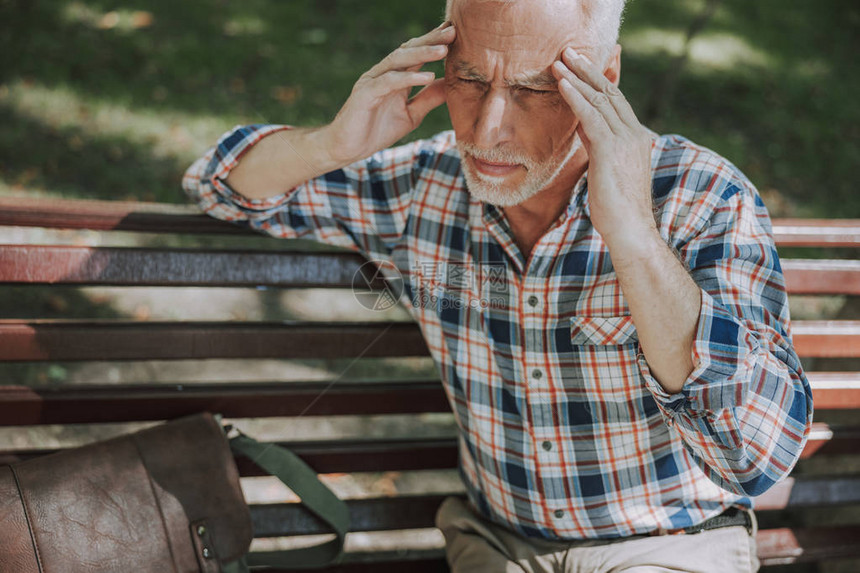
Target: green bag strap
[238,566]
[319,499]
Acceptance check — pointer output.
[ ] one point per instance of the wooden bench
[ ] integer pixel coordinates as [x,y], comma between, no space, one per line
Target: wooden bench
[788,533]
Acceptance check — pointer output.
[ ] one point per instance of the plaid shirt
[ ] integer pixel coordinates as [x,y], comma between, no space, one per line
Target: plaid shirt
[564,433]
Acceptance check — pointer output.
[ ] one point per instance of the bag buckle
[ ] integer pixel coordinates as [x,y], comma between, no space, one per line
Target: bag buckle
[230,431]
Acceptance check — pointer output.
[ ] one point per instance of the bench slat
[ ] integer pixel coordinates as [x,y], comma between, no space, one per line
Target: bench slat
[825,440]
[110,216]
[27,264]
[826,338]
[76,265]
[372,514]
[785,545]
[817,232]
[376,455]
[835,390]
[43,340]
[187,219]
[69,340]
[338,456]
[805,491]
[834,277]
[22,406]
[345,456]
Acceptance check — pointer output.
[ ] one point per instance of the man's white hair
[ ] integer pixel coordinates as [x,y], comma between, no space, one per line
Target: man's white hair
[602,18]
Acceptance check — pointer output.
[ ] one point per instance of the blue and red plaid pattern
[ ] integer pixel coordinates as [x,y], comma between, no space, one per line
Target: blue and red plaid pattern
[564,433]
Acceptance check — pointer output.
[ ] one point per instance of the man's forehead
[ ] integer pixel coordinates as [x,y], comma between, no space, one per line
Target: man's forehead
[527,36]
[549,20]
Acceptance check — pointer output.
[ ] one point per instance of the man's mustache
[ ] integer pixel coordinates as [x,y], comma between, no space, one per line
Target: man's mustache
[497,155]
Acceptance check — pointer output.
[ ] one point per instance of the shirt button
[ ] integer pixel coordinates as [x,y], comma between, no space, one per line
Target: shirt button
[537,374]
[559,513]
[547,445]
[533,300]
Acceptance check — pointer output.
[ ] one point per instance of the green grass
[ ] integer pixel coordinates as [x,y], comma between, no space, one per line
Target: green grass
[96,104]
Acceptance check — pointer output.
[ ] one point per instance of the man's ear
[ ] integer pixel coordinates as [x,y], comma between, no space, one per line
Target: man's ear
[613,66]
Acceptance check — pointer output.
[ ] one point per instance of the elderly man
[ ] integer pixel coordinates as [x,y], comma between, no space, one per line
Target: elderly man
[605,305]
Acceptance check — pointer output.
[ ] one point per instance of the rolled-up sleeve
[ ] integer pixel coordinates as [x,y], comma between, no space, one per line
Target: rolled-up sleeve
[745,411]
[364,206]
[205,181]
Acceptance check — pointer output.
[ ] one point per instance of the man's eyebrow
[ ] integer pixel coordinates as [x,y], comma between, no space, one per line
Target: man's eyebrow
[468,70]
[543,78]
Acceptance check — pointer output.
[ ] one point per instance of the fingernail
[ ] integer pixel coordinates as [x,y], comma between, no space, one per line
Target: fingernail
[570,54]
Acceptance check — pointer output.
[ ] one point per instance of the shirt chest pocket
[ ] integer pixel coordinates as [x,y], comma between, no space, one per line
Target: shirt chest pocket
[604,358]
[602,330]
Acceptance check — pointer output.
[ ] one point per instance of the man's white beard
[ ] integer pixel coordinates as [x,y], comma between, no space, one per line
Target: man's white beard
[495,190]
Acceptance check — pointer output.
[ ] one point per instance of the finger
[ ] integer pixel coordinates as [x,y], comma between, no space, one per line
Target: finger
[586,143]
[409,58]
[580,65]
[593,123]
[444,34]
[429,98]
[397,80]
[597,101]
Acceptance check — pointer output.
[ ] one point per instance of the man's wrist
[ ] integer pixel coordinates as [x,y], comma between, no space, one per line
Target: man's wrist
[634,241]
[323,156]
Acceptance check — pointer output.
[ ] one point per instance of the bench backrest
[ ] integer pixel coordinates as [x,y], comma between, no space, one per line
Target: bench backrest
[782,539]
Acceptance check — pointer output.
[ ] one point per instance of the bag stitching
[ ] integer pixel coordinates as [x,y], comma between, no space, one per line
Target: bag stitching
[27,517]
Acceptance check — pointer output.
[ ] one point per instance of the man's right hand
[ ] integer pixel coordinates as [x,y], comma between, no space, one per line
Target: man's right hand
[377,114]
[379,111]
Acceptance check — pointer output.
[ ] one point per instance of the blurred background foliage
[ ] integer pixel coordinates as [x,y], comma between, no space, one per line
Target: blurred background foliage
[113,99]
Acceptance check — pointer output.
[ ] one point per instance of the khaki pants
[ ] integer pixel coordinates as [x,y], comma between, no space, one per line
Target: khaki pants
[475,545]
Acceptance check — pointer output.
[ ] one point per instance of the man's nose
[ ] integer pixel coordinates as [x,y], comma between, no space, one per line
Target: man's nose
[492,126]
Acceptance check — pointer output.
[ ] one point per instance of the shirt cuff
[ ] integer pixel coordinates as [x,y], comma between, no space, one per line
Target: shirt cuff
[229,150]
[724,354]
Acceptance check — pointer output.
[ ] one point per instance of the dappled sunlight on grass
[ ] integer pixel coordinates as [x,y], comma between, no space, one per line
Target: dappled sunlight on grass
[182,135]
[245,25]
[712,51]
[768,84]
[675,14]
[21,185]
[113,101]
[123,20]
[58,141]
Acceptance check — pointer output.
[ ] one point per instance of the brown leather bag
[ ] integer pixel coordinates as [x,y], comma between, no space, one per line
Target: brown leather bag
[166,499]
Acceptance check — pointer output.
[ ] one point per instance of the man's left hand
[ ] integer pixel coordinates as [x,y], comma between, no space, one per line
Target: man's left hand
[619,152]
